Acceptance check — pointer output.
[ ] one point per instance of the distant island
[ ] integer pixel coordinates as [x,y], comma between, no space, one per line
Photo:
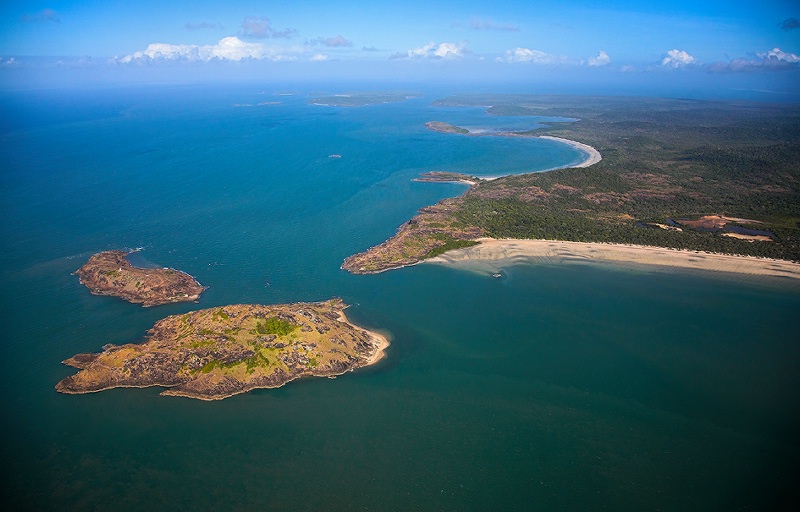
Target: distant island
[215,353]
[702,176]
[439,126]
[361,99]
[109,273]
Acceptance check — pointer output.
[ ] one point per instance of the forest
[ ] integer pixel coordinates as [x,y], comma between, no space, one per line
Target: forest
[662,160]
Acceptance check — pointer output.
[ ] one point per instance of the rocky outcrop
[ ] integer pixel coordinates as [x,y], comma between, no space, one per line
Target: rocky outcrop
[109,273]
[215,353]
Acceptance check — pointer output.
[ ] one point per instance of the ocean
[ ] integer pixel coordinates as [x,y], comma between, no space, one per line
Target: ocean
[557,387]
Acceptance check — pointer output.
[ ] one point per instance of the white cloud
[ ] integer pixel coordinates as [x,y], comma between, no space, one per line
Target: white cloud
[433,51]
[228,48]
[602,59]
[775,59]
[778,54]
[677,59]
[319,57]
[531,56]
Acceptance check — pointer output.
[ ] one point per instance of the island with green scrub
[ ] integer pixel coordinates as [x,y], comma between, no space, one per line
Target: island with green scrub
[362,99]
[215,353]
[110,273]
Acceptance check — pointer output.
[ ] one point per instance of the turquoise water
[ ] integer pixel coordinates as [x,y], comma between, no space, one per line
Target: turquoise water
[555,388]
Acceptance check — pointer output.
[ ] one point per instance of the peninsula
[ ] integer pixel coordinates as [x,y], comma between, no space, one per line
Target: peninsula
[109,273]
[671,172]
[215,353]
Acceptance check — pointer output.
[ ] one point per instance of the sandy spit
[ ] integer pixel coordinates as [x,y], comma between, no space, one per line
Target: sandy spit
[554,251]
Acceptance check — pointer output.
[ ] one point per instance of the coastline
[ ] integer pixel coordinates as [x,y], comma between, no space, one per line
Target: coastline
[593,157]
[379,341]
[557,251]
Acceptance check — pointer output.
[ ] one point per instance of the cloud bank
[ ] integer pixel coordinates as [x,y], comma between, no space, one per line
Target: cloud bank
[433,51]
[228,48]
[772,60]
[526,55]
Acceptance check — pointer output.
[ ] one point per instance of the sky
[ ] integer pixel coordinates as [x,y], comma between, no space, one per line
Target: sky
[724,45]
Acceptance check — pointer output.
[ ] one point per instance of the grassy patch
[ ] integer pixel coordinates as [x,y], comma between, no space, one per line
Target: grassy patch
[219,314]
[449,245]
[275,325]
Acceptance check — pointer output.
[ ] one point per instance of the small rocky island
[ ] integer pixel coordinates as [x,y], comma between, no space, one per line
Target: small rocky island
[439,126]
[109,273]
[215,353]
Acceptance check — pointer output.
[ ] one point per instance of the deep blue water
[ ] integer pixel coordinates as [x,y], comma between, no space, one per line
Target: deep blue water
[567,387]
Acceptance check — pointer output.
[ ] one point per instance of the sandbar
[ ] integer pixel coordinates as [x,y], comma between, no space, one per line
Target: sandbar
[555,251]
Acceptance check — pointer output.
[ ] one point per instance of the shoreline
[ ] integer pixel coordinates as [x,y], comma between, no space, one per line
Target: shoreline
[593,157]
[558,251]
[380,342]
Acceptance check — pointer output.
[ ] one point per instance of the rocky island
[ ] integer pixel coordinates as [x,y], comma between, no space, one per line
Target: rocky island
[438,126]
[215,353]
[109,273]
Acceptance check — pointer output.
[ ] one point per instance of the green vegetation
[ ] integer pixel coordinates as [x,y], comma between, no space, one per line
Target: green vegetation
[361,99]
[450,244]
[202,343]
[219,314]
[257,359]
[662,159]
[275,325]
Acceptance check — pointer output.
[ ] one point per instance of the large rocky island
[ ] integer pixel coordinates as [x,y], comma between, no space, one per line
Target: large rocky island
[109,273]
[214,353]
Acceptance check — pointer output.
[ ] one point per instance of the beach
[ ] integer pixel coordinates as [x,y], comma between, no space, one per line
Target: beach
[593,155]
[379,341]
[554,251]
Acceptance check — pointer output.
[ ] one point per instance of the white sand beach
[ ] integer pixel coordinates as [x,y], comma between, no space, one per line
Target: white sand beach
[593,156]
[553,251]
